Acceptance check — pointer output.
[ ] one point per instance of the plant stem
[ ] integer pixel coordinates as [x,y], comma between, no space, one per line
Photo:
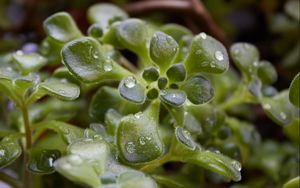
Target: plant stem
[9,180]
[26,173]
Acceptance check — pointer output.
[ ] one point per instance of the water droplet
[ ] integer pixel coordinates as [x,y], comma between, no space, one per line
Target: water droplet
[174,49]
[130,82]
[163,92]
[173,95]
[236,165]
[282,115]
[148,138]
[130,147]
[75,159]
[20,52]
[204,63]
[50,161]
[219,55]
[203,35]
[2,153]
[138,115]
[107,66]
[142,140]
[95,55]
[267,106]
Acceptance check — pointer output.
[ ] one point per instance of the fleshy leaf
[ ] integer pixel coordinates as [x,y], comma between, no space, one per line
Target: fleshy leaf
[29,62]
[41,162]
[163,49]
[176,31]
[107,98]
[292,183]
[244,56]
[85,59]
[85,163]
[266,72]
[294,91]
[69,133]
[104,13]
[10,150]
[176,73]
[131,90]
[137,136]
[173,97]
[135,180]
[278,108]
[150,74]
[61,27]
[184,137]
[198,89]
[206,55]
[291,7]
[132,34]
[95,31]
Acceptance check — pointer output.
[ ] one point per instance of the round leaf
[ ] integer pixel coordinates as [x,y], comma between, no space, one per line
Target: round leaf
[150,74]
[206,55]
[85,60]
[10,150]
[198,89]
[29,62]
[131,90]
[61,27]
[41,162]
[176,73]
[163,49]
[173,97]
[176,31]
[266,72]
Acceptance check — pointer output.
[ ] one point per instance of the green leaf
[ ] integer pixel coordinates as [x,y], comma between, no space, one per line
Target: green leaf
[60,89]
[29,62]
[206,55]
[50,49]
[172,97]
[61,27]
[104,13]
[132,34]
[131,90]
[255,87]
[184,137]
[150,74]
[198,89]
[292,183]
[278,108]
[163,49]
[10,150]
[85,163]
[217,163]
[112,120]
[244,56]
[292,130]
[41,162]
[137,136]
[162,82]
[294,91]
[175,31]
[152,94]
[85,59]
[95,31]
[109,98]
[176,73]
[69,133]
[266,72]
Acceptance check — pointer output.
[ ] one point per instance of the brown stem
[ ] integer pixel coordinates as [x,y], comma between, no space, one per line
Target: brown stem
[194,8]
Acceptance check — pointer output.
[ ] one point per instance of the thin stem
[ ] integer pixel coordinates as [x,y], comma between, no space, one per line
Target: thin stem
[9,180]
[26,173]
[128,65]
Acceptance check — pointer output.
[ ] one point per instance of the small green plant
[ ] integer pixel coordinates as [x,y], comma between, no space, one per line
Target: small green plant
[101,121]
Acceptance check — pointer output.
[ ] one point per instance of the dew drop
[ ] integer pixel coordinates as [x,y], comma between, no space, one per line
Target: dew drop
[148,138]
[219,55]
[138,115]
[95,55]
[267,106]
[107,65]
[130,82]
[50,161]
[282,115]
[204,63]
[203,35]
[130,147]
[212,64]
[142,140]
[20,52]
[236,165]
